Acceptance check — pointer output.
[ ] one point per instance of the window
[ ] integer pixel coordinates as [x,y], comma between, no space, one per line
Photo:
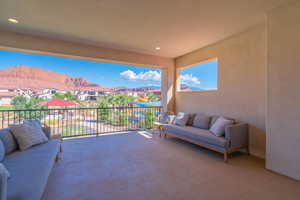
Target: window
[199,77]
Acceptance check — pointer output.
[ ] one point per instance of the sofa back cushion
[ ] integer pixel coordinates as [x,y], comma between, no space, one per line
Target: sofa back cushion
[201,121]
[218,128]
[28,134]
[8,140]
[181,119]
[2,151]
[191,119]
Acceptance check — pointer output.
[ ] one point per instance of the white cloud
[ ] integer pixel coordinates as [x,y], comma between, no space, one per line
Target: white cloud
[143,76]
[188,79]
[154,85]
[129,75]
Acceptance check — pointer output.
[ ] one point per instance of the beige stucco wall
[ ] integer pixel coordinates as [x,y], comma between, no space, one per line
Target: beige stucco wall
[283,97]
[60,48]
[241,86]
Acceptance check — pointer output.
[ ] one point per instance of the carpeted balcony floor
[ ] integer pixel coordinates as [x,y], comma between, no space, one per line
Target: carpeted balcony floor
[137,166]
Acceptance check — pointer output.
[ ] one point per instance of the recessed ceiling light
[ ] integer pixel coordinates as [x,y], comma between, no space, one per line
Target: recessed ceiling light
[13,20]
[157,48]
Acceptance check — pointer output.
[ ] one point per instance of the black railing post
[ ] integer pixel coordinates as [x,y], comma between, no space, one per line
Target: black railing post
[97,121]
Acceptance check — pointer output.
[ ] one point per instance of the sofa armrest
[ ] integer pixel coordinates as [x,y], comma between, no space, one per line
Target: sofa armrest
[47,131]
[237,135]
[3,185]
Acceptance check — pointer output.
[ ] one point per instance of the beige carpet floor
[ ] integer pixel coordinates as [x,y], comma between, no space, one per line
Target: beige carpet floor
[137,166]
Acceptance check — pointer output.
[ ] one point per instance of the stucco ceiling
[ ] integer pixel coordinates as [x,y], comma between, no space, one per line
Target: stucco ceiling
[177,26]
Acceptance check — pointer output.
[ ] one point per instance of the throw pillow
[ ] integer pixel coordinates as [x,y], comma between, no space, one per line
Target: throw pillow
[218,128]
[3,170]
[215,117]
[181,119]
[2,151]
[28,134]
[164,118]
[213,120]
[201,121]
[8,140]
[191,119]
[171,119]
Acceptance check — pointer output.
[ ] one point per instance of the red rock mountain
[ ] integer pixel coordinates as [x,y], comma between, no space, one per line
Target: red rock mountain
[37,79]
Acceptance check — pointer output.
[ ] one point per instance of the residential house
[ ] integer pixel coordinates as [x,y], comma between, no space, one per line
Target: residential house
[6,98]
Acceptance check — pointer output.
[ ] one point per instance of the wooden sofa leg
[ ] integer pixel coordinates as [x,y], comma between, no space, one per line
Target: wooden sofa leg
[225,157]
[166,135]
[58,157]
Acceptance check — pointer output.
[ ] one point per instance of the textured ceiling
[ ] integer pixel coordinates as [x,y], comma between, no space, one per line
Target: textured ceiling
[177,26]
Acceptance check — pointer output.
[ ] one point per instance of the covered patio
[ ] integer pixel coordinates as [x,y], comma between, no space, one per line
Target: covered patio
[256,46]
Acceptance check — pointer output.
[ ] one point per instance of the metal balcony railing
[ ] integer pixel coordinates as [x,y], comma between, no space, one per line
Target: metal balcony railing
[71,122]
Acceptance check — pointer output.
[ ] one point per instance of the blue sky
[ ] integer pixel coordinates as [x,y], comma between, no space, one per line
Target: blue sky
[202,76]
[106,74]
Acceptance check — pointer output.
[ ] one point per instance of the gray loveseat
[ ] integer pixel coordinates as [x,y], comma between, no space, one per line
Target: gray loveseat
[234,139]
[29,170]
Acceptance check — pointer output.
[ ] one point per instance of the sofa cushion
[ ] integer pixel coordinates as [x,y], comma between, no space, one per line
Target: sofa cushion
[2,151]
[181,119]
[218,128]
[28,134]
[8,140]
[29,170]
[201,121]
[196,134]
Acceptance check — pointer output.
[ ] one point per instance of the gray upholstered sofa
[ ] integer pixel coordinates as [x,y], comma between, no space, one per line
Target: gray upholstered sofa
[234,139]
[29,169]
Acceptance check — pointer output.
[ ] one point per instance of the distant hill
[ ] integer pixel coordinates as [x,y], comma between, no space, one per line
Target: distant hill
[37,79]
[152,87]
[189,88]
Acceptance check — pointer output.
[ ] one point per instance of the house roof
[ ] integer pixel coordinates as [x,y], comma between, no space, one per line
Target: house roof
[8,94]
[55,102]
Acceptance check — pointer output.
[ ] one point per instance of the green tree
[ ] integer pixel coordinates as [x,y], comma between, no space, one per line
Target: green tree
[19,102]
[107,101]
[122,117]
[122,99]
[58,95]
[148,119]
[103,103]
[69,96]
[30,105]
